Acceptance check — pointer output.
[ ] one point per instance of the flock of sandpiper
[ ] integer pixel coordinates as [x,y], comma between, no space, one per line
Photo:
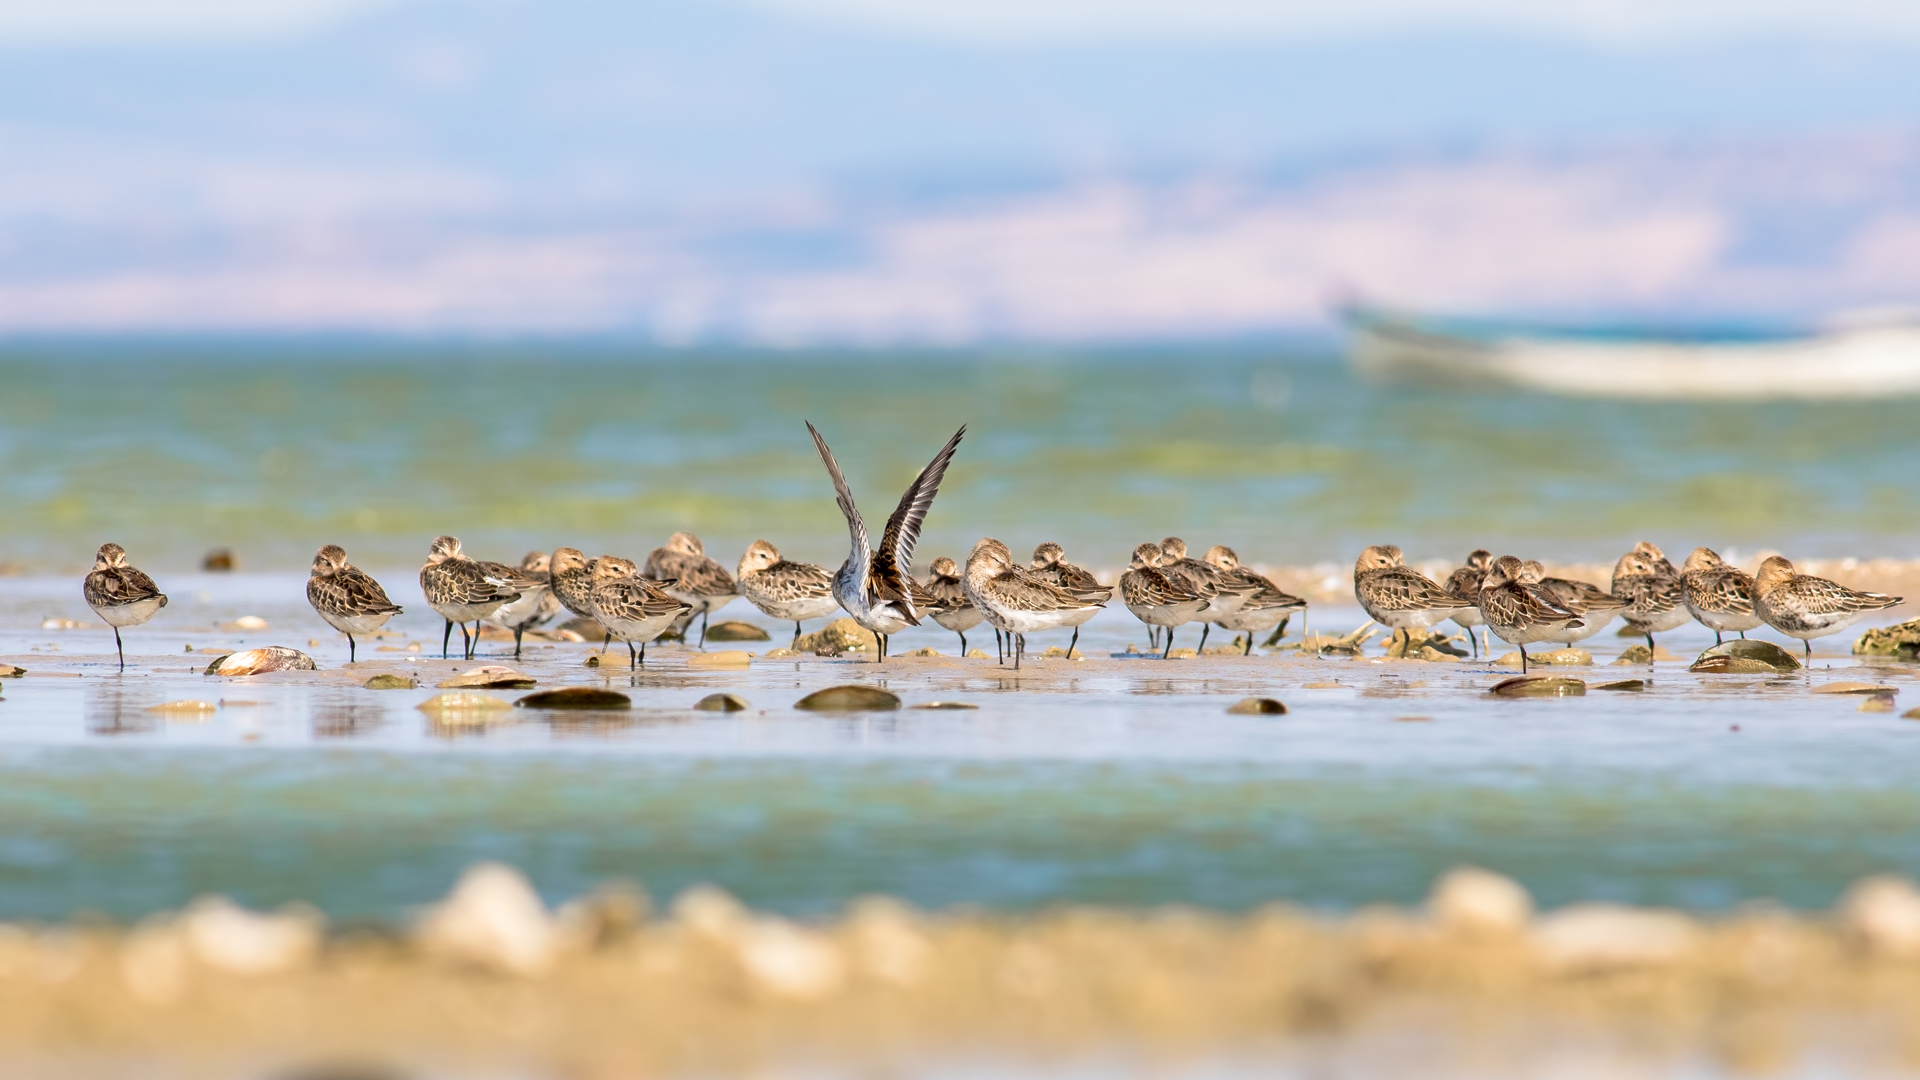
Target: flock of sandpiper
[1163,587]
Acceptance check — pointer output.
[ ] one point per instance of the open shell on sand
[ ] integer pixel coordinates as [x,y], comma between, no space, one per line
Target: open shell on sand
[261,660]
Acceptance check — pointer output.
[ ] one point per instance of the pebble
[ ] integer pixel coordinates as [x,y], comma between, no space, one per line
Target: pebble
[1601,936]
[1539,686]
[488,677]
[261,660]
[494,920]
[726,658]
[946,705]
[1257,706]
[1878,703]
[391,682]
[781,654]
[736,631]
[1745,657]
[1884,910]
[1855,688]
[1623,684]
[245,622]
[1471,899]
[722,703]
[227,937]
[849,699]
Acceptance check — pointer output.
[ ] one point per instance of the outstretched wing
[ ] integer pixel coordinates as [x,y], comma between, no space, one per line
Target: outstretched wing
[893,563]
[842,492]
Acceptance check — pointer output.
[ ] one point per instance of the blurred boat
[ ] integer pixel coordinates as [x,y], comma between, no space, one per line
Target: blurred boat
[1863,359]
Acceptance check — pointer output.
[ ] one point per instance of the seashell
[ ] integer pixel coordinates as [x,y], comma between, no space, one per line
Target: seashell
[261,660]
[1745,657]
[1623,684]
[488,677]
[849,699]
[736,631]
[575,697]
[1855,688]
[1257,706]
[391,682]
[1540,686]
[726,658]
[722,703]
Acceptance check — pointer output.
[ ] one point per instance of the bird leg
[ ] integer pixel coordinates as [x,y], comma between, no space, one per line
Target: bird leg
[1649,646]
[118,649]
[704,616]
[447,636]
[1204,627]
[1075,641]
[1169,651]
[999,654]
[349,648]
[1248,651]
[633,661]
[796,636]
[1523,658]
[517,631]
[963,645]
[1716,637]
[1019,649]
[883,647]
[1807,642]
[643,650]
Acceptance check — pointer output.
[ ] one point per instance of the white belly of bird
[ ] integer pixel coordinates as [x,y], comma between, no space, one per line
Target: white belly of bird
[519,611]
[1164,614]
[1018,621]
[357,624]
[1080,617]
[639,631]
[1255,620]
[1807,627]
[817,607]
[1419,619]
[1529,635]
[130,614]
[1724,622]
[959,620]
[1664,621]
[1467,617]
[1221,606]
[466,612]
[1595,622]
[700,604]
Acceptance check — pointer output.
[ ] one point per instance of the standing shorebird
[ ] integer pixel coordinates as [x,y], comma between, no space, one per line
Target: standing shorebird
[346,596]
[121,594]
[1464,583]
[790,591]
[689,576]
[1649,591]
[462,592]
[1809,607]
[1050,563]
[1014,599]
[948,603]
[1396,595]
[1265,608]
[537,605]
[634,609]
[1224,595]
[1718,595]
[1595,605]
[876,586]
[1518,612]
[1155,598]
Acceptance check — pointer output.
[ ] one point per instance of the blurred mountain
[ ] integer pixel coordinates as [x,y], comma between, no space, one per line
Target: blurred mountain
[695,169]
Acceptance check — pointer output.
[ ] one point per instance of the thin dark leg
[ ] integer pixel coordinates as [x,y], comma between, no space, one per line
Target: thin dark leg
[643,650]
[1716,637]
[473,643]
[999,654]
[1523,659]
[633,660]
[796,634]
[1169,651]
[1743,635]
[1204,627]
[1074,642]
[1019,649]
[517,631]
[963,645]
[349,648]
[1153,636]
[1807,642]
[704,616]
[1474,642]
[1649,646]
[447,637]
[1248,651]
[118,650]
[883,647]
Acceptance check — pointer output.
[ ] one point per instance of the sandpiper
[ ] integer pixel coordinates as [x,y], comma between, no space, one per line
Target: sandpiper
[1396,595]
[1517,612]
[570,576]
[1649,592]
[1809,607]
[462,592]
[875,585]
[1464,583]
[792,591]
[537,605]
[1050,563]
[689,576]
[1156,598]
[121,594]
[632,608]
[346,596]
[1224,596]
[1718,595]
[1266,608]
[948,603]
[1014,599]
[1595,605]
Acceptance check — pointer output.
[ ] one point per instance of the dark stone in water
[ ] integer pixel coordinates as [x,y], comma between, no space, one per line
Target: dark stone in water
[736,631]
[849,699]
[218,561]
[1257,706]
[1540,686]
[722,703]
[1743,656]
[575,697]
[1901,640]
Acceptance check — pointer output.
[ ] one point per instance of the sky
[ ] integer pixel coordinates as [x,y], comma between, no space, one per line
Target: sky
[800,171]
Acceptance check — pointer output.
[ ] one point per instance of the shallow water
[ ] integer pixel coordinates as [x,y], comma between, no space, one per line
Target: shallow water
[1107,780]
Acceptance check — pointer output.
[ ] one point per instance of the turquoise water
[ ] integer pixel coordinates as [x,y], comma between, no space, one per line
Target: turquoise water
[173,449]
